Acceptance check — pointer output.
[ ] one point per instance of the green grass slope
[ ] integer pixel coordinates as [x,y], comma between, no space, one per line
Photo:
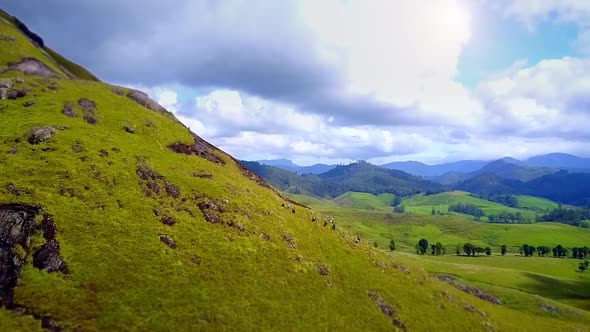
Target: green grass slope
[238,260]
[423,204]
[365,201]
[524,283]
[535,203]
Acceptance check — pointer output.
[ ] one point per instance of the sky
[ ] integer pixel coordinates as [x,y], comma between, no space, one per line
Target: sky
[338,80]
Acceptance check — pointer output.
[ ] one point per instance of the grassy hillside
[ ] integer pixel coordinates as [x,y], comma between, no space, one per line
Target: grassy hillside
[524,283]
[365,201]
[535,203]
[423,204]
[115,217]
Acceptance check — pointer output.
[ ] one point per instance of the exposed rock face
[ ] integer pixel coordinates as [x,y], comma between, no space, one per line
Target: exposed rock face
[69,110]
[32,66]
[142,99]
[6,84]
[29,103]
[16,93]
[387,309]
[90,112]
[154,181]
[210,212]
[451,280]
[167,240]
[289,240]
[41,134]
[200,149]
[47,258]
[168,220]
[17,224]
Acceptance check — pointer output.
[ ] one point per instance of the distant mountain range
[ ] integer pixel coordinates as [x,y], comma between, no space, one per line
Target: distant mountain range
[359,176]
[559,177]
[288,165]
[449,173]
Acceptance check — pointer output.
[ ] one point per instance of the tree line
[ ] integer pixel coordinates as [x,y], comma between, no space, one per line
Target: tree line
[472,250]
[467,208]
[436,249]
[575,217]
[509,218]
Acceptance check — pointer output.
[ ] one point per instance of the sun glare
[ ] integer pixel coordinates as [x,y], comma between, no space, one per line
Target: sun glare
[455,19]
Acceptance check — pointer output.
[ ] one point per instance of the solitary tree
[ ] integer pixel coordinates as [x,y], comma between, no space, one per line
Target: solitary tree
[458,249]
[433,249]
[392,245]
[440,249]
[433,212]
[503,249]
[584,265]
[488,251]
[397,200]
[422,246]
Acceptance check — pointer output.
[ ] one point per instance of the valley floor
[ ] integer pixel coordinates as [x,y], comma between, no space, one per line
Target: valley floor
[538,285]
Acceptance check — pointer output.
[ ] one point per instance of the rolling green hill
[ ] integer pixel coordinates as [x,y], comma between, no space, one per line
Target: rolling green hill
[535,203]
[365,201]
[424,204]
[114,216]
[524,283]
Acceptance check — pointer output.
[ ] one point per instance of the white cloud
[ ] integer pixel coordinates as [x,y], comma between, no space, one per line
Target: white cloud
[531,12]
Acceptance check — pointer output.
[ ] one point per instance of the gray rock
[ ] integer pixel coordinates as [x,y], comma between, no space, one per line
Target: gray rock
[38,135]
[32,66]
[14,150]
[47,258]
[167,240]
[6,84]
[130,130]
[69,110]
[29,103]
[264,236]
[142,99]
[17,93]
[3,93]
[19,80]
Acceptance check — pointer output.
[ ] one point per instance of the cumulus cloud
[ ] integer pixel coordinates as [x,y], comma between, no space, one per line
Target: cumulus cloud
[548,99]
[331,79]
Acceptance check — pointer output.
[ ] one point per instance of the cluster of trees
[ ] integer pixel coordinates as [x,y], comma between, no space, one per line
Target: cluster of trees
[508,200]
[541,251]
[558,251]
[467,208]
[580,253]
[573,217]
[472,250]
[436,249]
[509,218]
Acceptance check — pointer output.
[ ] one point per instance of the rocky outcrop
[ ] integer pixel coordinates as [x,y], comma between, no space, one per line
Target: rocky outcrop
[200,148]
[40,134]
[451,280]
[32,66]
[90,112]
[387,309]
[144,100]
